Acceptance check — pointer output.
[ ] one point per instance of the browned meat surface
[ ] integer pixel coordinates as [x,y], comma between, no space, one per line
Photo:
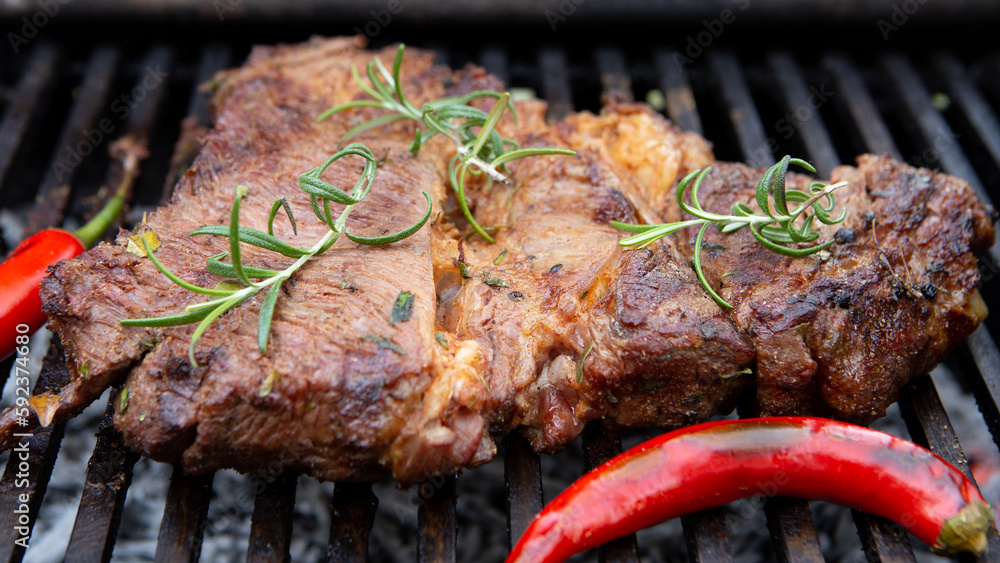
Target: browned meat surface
[661,351]
[839,333]
[345,394]
[330,398]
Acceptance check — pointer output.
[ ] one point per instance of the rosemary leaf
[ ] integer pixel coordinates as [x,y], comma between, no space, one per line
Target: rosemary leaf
[169,320]
[173,277]
[774,229]
[234,236]
[218,267]
[281,202]
[266,314]
[397,236]
[256,238]
[495,282]
[315,186]
[386,343]
[441,339]
[402,309]
[500,257]
[207,321]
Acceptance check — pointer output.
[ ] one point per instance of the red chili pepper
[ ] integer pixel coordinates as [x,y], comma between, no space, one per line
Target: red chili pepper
[715,463]
[24,269]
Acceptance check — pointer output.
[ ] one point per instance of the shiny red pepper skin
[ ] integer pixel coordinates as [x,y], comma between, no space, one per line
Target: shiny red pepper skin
[20,275]
[715,463]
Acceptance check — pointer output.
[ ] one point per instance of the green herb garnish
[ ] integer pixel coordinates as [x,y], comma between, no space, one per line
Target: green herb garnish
[495,282]
[402,309]
[386,343]
[321,194]
[442,340]
[773,230]
[500,257]
[477,152]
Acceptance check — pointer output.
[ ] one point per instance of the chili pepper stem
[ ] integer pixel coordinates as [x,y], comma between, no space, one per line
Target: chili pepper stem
[966,531]
[94,229]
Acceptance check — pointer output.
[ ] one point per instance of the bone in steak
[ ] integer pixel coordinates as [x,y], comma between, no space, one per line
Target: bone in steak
[345,394]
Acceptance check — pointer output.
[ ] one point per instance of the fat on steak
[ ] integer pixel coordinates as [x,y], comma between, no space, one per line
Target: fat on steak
[571,327]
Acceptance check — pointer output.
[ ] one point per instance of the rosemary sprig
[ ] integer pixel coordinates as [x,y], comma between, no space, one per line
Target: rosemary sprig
[773,229]
[477,152]
[321,193]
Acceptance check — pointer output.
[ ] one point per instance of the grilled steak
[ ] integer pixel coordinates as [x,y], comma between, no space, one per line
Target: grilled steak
[839,333]
[556,326]
[343,392]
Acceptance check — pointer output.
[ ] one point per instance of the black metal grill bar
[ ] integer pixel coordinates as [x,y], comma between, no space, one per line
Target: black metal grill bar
[599,447]
[743,114]
[792,530]
[352,513]
[979,356]
[43,447]
[54,192]
[850,85]
[183,524]
[494,59]
[436,522]
[555,82]
[271,523]
[813,131]
[37,79]
[883,541]
[109,474]
[677,93]
[616,83]
[523,476]
[707,536]
[981,117]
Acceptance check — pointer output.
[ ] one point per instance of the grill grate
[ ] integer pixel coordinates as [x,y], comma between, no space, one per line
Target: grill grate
[876,108]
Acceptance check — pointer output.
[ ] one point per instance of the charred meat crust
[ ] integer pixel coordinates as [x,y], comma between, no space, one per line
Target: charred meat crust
[841,332]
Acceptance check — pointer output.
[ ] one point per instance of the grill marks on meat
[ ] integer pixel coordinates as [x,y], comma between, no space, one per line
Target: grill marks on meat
[841,332]
[838,335]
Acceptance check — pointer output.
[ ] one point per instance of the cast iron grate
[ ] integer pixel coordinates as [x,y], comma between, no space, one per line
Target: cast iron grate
[55,98]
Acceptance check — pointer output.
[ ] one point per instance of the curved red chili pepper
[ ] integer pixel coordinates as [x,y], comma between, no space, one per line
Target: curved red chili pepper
[715,463]
[23,270]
